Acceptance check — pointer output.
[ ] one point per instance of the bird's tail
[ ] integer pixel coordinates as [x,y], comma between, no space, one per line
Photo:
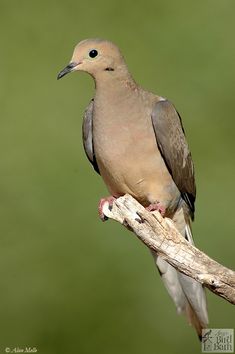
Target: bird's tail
[187,294]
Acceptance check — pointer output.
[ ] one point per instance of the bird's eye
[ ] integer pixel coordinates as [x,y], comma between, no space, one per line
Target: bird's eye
[93,53]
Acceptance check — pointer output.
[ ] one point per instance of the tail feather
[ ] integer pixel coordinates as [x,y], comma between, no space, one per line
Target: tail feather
[193,320]
[196,309]
[170,279]
[187,294]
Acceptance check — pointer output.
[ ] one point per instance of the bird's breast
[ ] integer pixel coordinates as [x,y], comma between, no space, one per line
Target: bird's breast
[128,157]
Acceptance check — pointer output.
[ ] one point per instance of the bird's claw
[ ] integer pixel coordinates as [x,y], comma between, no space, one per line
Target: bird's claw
[156,206]
[102,201]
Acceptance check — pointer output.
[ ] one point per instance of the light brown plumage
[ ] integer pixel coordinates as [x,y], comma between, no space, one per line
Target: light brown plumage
[135,140]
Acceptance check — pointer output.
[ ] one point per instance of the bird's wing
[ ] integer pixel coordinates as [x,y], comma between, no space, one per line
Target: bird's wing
[174,149]
[87,135]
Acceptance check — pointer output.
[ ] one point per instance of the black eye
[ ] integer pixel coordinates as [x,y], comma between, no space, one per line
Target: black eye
[93,53]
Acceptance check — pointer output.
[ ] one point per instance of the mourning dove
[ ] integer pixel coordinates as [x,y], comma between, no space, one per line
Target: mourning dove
[135,140]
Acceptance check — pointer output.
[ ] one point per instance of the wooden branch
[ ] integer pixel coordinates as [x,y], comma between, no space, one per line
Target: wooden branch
[160,235]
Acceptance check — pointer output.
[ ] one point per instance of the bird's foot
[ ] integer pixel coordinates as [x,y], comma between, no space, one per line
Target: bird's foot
[102,201]
[156,206]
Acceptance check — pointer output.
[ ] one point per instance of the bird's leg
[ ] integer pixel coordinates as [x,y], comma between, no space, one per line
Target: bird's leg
[156,206]
[102,201]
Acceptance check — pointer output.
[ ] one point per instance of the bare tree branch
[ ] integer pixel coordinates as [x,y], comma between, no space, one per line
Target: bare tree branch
[160,235]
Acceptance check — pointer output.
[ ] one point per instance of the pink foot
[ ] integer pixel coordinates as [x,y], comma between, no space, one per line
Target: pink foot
[102,201]
[157,206]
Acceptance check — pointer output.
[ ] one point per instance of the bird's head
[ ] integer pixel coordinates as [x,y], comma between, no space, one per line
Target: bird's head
[96,57]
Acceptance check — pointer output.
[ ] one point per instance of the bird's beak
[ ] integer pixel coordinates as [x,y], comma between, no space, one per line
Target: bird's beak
[66,70]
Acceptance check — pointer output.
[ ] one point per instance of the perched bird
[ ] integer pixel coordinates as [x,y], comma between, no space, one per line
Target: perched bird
[135,140]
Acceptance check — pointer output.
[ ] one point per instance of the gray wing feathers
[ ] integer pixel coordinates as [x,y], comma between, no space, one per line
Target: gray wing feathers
[187,294]
[87,135]
[173,146]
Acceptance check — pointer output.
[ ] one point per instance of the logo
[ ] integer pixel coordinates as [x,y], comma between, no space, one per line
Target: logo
[218,340]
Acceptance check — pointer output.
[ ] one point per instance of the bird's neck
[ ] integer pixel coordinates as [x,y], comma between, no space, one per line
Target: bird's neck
[115,87]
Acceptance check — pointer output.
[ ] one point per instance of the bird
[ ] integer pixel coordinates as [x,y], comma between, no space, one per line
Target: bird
[136,141]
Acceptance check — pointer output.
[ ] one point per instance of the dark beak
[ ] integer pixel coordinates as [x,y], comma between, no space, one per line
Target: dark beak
[66,70]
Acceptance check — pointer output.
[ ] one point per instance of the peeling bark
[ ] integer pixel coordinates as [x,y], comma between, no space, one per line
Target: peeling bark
[161,235]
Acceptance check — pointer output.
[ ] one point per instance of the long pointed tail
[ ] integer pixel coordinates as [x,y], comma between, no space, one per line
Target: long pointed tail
[187,294]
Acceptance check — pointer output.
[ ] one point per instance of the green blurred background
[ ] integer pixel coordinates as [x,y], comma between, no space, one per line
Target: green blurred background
[69,283]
